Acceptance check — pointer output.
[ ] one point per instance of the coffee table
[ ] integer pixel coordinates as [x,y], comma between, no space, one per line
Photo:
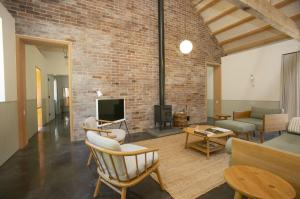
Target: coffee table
[253,182]
[207,144]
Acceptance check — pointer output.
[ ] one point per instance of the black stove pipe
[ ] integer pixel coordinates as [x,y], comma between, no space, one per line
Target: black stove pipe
[161,35]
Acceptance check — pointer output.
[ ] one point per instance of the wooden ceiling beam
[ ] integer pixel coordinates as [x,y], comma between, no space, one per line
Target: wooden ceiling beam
[264,11]
[247,34]
[250,18]
[222,14]
[252,32]
[205,4]
[257,43]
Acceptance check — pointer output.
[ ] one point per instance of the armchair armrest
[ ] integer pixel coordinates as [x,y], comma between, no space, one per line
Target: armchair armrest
[241,114]
[275,122]
[100,131]
[121,153]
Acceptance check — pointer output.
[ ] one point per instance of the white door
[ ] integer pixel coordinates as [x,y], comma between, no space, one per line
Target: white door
[51,104]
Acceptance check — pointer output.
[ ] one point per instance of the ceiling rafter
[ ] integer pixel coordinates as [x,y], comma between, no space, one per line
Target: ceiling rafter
[264,11]
[250,18]
[222,14]
[252,32]
[205,4]
[278,37]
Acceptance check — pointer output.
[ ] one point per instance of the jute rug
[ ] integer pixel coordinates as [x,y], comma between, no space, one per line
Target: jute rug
[187,173]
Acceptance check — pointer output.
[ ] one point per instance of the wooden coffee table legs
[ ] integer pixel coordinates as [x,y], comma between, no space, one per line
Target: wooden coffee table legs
[206,145]
[237,195]
[186,140]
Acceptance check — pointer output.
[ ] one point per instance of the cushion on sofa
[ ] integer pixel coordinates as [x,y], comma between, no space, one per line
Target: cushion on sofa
[294,125]
[286,142]
[236,126]
[257,122]
[259,113]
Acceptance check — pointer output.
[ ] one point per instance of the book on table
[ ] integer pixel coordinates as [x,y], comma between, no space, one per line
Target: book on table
[211,131]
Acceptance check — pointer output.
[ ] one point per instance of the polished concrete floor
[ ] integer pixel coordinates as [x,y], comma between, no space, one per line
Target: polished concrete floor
[53,167]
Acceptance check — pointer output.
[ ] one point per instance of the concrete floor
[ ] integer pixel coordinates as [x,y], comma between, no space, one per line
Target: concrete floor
[53,167]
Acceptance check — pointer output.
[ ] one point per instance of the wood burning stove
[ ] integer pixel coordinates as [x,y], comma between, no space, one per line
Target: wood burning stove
[163,116]
[162,112]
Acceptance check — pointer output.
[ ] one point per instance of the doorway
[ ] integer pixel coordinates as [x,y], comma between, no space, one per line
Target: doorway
[39,108]
[213,89]
[51,93]
[21,41]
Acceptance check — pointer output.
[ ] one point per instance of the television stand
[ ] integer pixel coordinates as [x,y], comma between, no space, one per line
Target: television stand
[121,122]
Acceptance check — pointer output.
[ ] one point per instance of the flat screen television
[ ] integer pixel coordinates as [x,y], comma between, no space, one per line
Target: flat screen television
[110,109]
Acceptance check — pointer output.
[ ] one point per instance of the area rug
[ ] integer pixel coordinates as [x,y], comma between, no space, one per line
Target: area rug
[187,173]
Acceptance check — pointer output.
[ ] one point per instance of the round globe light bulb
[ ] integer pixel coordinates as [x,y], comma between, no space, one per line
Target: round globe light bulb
[186,46]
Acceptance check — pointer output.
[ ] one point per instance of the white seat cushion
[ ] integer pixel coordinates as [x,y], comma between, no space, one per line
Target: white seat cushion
[131,162]
[119,133]
[102,141]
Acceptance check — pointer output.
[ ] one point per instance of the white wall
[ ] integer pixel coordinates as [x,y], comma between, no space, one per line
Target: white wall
[264,63]
[9,142]
[56,63]
[9,43]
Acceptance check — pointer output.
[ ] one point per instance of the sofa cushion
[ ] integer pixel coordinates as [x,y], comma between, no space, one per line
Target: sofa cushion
[228,146]
[259,113]
[236,126]
[294,125]
[257,122]
[286,142]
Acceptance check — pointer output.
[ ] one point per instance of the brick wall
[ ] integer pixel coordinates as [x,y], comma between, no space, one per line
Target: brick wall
[115,50]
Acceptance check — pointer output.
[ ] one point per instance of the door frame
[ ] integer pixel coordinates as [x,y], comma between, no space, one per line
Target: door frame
[21,41]
[217,86]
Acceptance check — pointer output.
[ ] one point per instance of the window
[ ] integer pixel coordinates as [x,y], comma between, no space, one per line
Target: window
[2,83]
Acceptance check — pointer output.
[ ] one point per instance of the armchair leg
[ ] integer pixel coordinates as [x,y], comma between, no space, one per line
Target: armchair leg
[261,137]
[159,179]
[123,193]
[90,159]
[97,189]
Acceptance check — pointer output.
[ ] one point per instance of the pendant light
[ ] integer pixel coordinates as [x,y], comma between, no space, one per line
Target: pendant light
[186,46]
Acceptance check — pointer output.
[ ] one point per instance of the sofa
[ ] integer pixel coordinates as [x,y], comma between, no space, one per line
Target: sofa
[265,120]
[281,155]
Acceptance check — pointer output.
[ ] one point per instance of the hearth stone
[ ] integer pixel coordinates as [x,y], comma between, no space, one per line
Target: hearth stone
[157,132]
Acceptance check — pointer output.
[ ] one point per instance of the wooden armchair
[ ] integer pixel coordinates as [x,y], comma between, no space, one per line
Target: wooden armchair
[121,166]
[266,120]
[91,124]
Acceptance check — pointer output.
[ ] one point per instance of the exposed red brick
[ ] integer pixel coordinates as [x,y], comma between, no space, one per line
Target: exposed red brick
[116,50]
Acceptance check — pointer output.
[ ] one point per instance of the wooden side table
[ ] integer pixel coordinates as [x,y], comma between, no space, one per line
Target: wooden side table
[257,183]
[222,116]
